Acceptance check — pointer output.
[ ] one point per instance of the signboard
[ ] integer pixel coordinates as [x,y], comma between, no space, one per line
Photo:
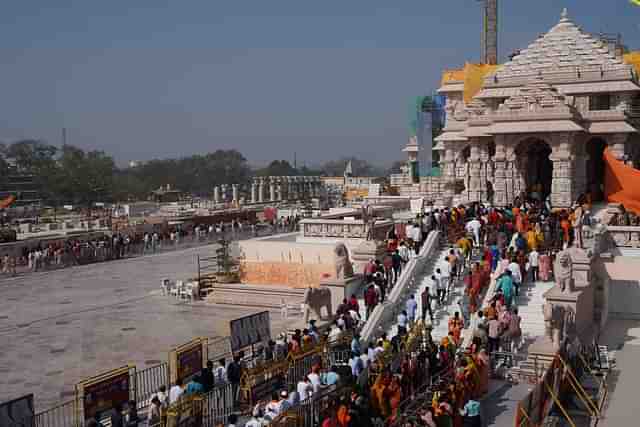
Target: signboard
[250,330]
[17,412]
[101,393]
[187,360]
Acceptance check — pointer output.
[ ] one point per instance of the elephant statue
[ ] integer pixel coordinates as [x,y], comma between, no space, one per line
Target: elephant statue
[315,299]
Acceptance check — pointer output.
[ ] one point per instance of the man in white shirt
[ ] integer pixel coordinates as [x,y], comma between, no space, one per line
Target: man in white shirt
[516,276]
[315,381]
[534,263]
[176,391]
[474,227]
[305,389]
[403,251]
[365,359]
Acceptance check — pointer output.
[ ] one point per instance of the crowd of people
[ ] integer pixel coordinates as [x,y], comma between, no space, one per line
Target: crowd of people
[50,254]
[513,246]
[409,379]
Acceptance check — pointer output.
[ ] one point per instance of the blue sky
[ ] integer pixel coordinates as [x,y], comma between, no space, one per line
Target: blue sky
[160,78]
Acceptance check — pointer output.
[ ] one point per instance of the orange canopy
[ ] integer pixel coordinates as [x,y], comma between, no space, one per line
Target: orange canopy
[621,183]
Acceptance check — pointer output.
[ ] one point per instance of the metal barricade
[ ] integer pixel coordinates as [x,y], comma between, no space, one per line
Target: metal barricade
[148,381]
[218,405]
[339,356]
[300,365]
[63,415]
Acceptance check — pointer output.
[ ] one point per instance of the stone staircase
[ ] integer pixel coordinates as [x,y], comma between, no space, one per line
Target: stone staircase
[530,304]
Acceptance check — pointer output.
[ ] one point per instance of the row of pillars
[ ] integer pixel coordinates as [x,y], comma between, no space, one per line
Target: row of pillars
[279,188]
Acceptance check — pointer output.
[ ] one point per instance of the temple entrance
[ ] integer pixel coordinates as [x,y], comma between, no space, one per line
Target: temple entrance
[537,168]
[595,168]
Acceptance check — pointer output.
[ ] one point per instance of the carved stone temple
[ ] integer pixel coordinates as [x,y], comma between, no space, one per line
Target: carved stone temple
[539,123]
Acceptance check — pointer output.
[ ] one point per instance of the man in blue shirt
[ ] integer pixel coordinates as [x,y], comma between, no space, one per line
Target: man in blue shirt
[194,386]
[332,376]
[471,414]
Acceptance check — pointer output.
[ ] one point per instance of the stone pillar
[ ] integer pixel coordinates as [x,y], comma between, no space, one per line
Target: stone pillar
[562,194]
[254,195]
[216,194]
[234,188]
[473,192]
[261,190]
[499,184]
[279,189]
[483,150]
[272,191]
[449,172]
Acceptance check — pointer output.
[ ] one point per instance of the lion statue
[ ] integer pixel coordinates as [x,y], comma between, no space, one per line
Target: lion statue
[344,268]
[315,299]
[563,272]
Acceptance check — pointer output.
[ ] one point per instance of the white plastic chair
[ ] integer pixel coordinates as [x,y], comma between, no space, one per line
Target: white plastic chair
[175,290]
[165,285]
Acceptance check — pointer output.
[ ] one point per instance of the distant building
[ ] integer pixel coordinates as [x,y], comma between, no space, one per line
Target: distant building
[167,195]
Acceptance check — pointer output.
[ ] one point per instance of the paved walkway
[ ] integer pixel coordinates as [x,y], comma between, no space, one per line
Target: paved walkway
[59,327]
[623,337]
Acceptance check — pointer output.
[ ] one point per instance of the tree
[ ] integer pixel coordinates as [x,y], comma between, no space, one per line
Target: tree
[84,178]
[278,168]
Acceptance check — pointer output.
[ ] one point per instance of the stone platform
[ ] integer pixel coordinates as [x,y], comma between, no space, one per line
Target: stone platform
[263,296]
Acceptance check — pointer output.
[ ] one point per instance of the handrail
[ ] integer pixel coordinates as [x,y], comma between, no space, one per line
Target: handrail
[382,312]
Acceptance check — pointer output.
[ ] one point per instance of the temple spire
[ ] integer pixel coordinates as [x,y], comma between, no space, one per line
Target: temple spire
[564,16]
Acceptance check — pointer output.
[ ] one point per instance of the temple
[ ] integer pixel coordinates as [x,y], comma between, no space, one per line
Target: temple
[538,125]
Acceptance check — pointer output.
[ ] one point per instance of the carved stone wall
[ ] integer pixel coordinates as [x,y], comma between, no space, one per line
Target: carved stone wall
[293,275]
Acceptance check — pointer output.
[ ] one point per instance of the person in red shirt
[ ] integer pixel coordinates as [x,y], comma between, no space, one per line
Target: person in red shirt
[370,299]
[353,304]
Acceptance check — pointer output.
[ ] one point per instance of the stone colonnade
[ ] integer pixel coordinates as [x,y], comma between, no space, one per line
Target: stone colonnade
[272,189]
[501,161]
[282,188]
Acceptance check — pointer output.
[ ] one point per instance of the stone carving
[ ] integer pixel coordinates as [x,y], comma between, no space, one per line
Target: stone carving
[315,299]
[559,323]
[344,268]
[563,272]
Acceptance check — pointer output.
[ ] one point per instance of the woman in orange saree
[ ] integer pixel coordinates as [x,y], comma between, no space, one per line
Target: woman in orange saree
[394,395]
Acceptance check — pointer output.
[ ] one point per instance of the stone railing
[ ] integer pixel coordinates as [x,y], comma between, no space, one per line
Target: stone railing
[385,314]
[343,229]
[624,236]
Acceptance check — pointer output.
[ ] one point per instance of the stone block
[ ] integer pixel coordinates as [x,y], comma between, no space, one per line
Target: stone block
[343,288]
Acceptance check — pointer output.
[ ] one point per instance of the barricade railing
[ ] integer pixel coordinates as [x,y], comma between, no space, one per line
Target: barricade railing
[300,364]
[148,381]
[309,412]
[63,415]
[218,405]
